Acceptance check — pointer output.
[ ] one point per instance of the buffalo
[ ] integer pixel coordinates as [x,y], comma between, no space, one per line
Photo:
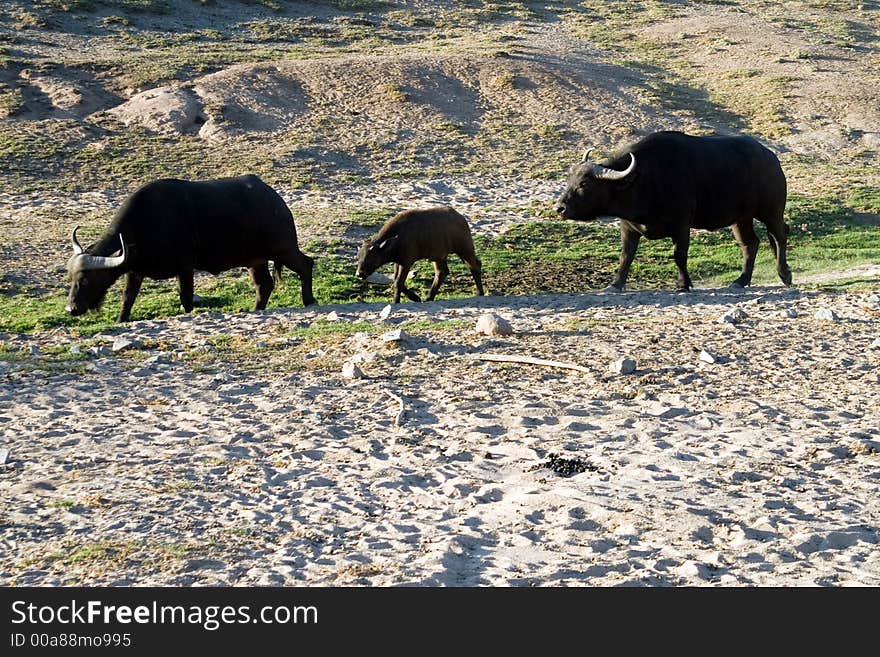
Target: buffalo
[173,227]
[669,182]
[425,234]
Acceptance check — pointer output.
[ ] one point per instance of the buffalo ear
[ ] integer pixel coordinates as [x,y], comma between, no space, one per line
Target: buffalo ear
[385,245]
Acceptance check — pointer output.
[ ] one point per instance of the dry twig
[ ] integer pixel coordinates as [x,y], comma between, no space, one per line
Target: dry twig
[399,400]
[528,360]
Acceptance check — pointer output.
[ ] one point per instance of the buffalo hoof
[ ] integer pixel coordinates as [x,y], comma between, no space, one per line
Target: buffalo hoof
[736,286]
[613,289]
[786,279]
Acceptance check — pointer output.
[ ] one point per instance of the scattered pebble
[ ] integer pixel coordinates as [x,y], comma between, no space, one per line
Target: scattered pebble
[708,356]
[121,344]
[492,324]
[385,313]
[623,366]
[734,316]
[789,313]
[826,314]
[397,335]
[350,370]
[4,454]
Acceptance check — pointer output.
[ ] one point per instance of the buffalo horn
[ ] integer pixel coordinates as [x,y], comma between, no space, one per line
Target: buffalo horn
[586,157]
[88,262]
[77,249]
[612,174]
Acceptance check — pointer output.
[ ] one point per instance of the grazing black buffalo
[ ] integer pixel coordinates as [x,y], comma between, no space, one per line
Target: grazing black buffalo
[670,182]
[172,227]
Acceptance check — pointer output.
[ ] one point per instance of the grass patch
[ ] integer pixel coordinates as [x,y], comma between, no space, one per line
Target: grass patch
[545,256]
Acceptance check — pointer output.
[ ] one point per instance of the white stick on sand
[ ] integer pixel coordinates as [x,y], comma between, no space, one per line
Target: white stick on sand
[399,400]
[504,358]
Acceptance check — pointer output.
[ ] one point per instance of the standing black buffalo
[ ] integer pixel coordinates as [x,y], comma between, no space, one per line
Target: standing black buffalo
[669,182]
[173,227]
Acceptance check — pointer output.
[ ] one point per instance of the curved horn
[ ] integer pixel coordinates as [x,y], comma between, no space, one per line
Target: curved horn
[88,262]
[586,156]
[612,174]
[77,249]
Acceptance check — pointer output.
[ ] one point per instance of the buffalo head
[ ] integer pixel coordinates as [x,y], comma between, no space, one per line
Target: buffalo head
[373,255]
[588,191]
[90,276]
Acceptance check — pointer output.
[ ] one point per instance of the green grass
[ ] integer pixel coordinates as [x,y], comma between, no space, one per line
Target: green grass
[537,257]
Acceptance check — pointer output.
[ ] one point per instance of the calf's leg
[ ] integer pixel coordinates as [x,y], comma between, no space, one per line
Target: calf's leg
[441,271]
[473,262]
[401,271]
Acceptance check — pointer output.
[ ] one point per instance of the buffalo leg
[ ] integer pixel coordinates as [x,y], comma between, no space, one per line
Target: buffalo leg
[680,254]
[400,274]
[476,267]
[185,289]
[263,284]
[777,230]
[441,271]
[303,265]
[744,234]
[132,287]
[629,242]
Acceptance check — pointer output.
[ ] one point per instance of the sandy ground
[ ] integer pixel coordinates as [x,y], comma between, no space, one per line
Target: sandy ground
[184,460]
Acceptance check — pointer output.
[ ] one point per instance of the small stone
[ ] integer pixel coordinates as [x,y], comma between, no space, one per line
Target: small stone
[158,359]
[379,279]
[34,350]
[351,371]
[332,316]
[873,299]
[875,344]
[75,349]
[121,344]
[385,313]
[99,351]
[492,324]
[623,366]
[826,314]
[734,316]
[708,356]
[789,313]
[4,454]
[397,335]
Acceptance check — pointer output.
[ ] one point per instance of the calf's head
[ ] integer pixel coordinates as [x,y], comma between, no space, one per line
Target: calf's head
[90,276]
[373,255]
[589,189]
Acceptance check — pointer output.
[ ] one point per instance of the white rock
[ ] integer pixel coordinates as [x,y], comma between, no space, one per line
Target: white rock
[875,344]
[379,279]
[121,344]
[826,314]
[385,313]
[99,351]
[623,366]
[734,316]
[75,349]
[332,316]
[708,356]
[789,313]
[397,335]
[351,371]
[492,324]
[4,454]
